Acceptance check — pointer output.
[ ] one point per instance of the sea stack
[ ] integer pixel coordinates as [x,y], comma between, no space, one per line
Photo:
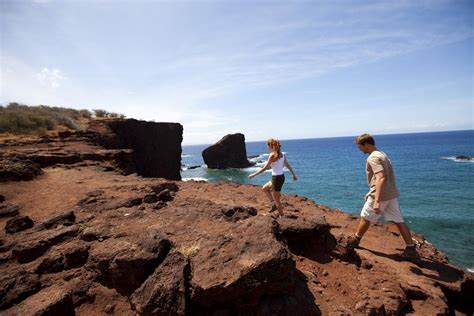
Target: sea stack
[229,152]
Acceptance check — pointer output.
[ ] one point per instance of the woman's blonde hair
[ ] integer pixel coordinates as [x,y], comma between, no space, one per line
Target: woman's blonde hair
[275,145]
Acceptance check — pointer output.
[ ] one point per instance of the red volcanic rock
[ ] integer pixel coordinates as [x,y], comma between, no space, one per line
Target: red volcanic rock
[35,245]
[103,247]
[65,257]
[9,210]
[13,169]
[16,285]
[164,292]
[123,265]
[156,146]
[66,219]
[18,223]
[51,301]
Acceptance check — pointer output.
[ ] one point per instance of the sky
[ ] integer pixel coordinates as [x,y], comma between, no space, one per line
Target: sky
[281,69]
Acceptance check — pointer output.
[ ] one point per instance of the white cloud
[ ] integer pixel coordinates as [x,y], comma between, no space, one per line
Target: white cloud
[201,64]
[50,77]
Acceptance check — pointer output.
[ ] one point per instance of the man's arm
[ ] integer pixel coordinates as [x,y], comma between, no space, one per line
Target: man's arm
[379,183]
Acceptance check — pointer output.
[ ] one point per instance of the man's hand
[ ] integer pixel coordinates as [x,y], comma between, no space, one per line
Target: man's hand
[377,209]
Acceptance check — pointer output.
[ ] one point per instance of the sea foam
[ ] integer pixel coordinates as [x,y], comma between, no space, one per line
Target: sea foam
[457,160]
[196,179]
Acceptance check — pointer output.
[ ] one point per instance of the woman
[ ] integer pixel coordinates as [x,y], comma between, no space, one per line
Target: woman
[276,160]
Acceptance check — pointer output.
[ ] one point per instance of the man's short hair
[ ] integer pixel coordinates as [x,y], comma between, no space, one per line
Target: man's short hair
[364,139]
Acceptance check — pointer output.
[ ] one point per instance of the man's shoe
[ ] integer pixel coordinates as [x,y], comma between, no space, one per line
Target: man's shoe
[410,253]
[353,242]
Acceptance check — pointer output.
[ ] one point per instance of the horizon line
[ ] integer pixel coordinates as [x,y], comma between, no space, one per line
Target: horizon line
[345,136]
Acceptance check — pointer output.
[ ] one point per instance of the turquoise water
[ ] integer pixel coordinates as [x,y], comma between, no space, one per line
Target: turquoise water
[436,189]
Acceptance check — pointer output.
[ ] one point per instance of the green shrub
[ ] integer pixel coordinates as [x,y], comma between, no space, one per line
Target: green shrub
[85,114]
[19,118]
[100,113]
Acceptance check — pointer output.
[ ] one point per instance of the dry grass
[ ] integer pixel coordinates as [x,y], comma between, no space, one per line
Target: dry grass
[188,251]
[19,119]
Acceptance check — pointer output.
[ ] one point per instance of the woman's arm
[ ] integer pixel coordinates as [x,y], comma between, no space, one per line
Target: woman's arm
[265,167]
[287,164]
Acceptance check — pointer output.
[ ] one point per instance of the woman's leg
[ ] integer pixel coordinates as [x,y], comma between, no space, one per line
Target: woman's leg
[266,189]
[276,197]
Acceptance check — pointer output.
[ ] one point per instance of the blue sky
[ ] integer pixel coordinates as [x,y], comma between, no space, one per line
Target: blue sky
[283,69]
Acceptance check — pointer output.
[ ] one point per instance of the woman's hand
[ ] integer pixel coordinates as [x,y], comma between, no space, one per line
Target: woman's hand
[294,177]
[252,175]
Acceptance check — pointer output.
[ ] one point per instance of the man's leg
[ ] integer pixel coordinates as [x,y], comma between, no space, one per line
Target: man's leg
[409,252]
[393,213]
[366,216]
[406,234]
[362,228]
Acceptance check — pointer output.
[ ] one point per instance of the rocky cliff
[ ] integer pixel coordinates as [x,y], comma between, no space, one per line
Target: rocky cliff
[86,237]
[156,146]
[147,148]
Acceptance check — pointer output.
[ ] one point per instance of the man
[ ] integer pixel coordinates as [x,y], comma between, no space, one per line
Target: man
[382,196]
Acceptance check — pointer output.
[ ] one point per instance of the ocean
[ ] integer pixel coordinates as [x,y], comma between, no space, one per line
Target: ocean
[436,189]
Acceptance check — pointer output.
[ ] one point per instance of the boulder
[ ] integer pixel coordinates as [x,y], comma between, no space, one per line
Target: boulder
[15,169]
[241,267]
[229,152]
[164,196]
[37,245]
[163,293]
[150,198]
[9,210]
[463,157]
[66,219]
[123,265]
[53,300]
[237,213]
[49,159]
[16,285]
[171,186]
[132,202]
[71,255]
[18,223]
[304,231]
[95,231]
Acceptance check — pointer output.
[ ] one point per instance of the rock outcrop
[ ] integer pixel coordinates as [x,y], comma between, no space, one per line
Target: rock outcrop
[107,242]
[147,148]
[156,146]
[229,152]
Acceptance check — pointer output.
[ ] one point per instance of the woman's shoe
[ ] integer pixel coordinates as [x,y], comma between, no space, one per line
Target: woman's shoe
[274,207]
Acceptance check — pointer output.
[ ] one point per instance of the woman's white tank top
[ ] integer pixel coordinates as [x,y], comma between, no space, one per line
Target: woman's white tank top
[277,166]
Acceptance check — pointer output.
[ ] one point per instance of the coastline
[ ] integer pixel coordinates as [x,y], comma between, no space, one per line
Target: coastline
[423,203]
[202,246]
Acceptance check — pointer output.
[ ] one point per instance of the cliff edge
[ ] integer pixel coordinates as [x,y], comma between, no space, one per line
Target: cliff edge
[86,235]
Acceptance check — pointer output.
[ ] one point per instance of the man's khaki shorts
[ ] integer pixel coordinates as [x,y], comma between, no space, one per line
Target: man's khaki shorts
[390,211]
